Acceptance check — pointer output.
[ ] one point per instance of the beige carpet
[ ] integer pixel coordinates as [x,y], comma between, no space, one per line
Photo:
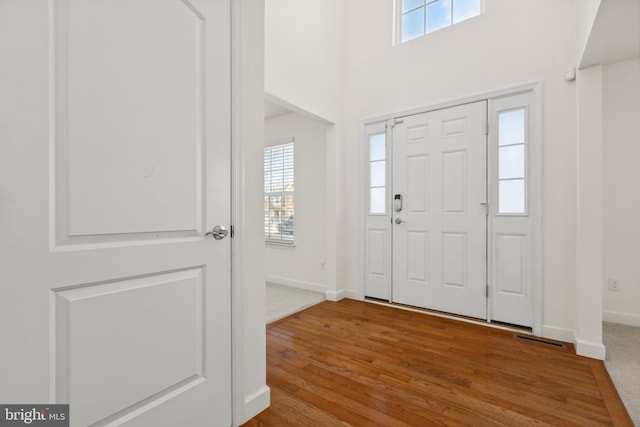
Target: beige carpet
[623,364]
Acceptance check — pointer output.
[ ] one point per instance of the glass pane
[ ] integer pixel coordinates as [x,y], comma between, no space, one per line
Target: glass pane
[438,15]
[287,225]
[413,24]
[272,219]
[378,174]
[511,196]
[411,4]
[511,127]
[465,9]
[511,162]
[287,207]
[377,147]
[376,202]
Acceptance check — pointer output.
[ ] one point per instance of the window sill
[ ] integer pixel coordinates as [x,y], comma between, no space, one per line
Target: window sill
[280,245]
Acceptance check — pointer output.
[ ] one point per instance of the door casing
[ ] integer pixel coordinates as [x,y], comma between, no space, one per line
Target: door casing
[534,272]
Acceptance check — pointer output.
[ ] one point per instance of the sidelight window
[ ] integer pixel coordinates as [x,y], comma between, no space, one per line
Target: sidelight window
[512,161]
[377,174]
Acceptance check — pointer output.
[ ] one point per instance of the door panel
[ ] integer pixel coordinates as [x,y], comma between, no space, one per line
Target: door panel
[377,274]
[128,113]
[515,266]
[439,240]
[113,332]
[115,163]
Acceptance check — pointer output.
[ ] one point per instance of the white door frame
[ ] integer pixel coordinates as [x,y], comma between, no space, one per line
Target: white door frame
[535,177]
[237,211]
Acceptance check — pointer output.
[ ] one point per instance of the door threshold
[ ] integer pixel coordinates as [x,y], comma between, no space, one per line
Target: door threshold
[472,320]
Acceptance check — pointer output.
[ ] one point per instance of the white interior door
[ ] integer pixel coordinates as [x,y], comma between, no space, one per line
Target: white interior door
[114,152]
[439,232]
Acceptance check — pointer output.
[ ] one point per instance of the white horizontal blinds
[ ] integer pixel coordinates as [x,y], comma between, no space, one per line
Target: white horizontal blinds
[279,193]
[512,161]
[377,174]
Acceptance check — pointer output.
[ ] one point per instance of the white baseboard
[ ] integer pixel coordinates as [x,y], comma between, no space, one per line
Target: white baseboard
[623,318]
[299,284]
[558,334]
[342,294]
[590,349]
[334,295]
[353,294]
[256,403]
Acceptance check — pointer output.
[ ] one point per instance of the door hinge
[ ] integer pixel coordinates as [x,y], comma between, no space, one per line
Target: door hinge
[392,122]
[231,231]
[486,128]
[487,288]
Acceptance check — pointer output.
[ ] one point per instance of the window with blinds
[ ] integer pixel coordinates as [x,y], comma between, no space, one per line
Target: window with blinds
[279,194]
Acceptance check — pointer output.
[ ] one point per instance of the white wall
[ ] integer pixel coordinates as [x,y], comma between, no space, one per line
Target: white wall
[300,265]
[304,70]
[344,61]
[249,237]
[304,45]
[586,17]
[589,215]
[512,43]
[621,122]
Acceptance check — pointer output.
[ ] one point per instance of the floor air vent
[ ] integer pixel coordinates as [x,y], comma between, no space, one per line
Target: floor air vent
[539,340]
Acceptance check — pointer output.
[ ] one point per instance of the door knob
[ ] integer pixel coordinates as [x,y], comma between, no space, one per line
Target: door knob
[219,232]
[399,221]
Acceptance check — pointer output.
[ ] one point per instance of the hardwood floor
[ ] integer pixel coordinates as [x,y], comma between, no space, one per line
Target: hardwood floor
[360,364]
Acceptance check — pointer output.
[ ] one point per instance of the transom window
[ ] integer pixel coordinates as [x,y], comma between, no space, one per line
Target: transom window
[278,194]
[419,17]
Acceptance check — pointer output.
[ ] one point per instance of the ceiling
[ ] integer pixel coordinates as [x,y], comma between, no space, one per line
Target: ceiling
[615,35]
[272,110]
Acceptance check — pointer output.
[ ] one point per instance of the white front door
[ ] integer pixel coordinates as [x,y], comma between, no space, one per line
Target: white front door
[439,200]
[114,163]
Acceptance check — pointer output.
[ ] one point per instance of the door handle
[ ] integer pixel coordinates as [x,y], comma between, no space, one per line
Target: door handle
[400,221]
[219,232]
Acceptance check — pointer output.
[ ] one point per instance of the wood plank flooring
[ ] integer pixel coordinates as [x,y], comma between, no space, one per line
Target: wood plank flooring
[359,364]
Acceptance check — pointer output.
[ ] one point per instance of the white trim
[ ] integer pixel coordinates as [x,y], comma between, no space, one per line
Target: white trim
[279,244]
[256,403]
[536,131]
[237,213]
[341,294]
[558,334]
[281,141]
[298,284]
[590,349]
[529,87]
[622,318]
